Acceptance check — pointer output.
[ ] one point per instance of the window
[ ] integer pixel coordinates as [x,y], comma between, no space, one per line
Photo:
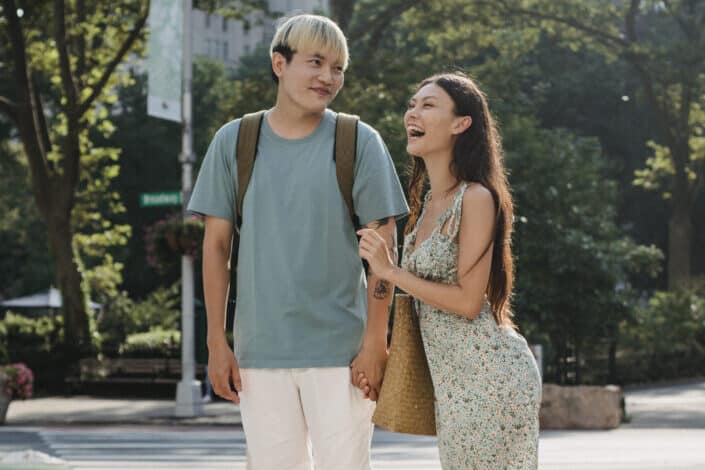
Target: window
[225,50]
[225,24]
[208,20]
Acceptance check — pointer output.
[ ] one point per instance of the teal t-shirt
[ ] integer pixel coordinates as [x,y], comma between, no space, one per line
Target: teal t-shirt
[302,290]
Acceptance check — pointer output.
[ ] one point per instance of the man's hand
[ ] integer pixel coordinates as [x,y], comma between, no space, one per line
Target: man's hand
[223,370]
[367,370]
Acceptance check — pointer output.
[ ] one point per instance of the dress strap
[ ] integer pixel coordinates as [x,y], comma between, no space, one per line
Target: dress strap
[451,226]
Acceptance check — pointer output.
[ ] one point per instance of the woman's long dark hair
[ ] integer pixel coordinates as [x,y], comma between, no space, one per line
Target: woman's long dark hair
[477,157]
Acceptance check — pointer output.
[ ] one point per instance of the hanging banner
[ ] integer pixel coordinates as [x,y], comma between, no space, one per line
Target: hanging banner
[164,59]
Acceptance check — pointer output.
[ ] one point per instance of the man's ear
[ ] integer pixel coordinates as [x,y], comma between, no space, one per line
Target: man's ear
[278,64]
[461,124]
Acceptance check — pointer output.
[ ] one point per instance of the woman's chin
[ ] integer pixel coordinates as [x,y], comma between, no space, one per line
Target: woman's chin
[413,149]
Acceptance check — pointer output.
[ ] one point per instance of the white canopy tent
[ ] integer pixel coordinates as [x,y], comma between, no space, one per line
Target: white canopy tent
[50,298]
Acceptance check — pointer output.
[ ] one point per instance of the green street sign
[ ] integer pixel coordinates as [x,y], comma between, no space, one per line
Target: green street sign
[164,198]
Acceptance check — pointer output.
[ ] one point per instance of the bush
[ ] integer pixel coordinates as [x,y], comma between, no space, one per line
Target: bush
[155,343]
[666,340]
[36,342]
[17,380]
[123,317]
[24,334]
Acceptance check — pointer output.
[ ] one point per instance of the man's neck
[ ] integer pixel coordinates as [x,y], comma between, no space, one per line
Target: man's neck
[292,122]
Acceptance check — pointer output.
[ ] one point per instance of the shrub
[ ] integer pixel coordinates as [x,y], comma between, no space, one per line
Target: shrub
[18,381]
[666,340]
[123,317]
[154,343]
[36,342]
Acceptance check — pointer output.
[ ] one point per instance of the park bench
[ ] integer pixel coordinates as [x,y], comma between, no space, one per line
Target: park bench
[162,370]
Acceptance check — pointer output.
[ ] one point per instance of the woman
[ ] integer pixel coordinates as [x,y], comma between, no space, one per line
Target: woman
[457,264]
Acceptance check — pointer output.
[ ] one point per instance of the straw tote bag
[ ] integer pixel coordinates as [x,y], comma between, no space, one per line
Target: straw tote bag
[406,401]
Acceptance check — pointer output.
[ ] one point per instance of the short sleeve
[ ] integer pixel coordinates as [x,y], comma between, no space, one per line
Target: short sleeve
[214,193]
[377,192]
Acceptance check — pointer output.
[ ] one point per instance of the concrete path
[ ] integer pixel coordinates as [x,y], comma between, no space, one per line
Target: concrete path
[666,431]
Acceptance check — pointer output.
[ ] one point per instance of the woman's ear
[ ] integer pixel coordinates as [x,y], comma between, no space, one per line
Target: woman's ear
[461,124]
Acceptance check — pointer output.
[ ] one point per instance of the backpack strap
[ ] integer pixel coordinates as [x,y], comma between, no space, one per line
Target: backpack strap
[247,140]
[344,156]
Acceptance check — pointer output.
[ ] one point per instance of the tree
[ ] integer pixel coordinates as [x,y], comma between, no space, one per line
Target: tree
[664,44]
[88,40]
[149,158]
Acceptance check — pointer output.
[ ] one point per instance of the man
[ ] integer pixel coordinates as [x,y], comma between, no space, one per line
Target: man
[305,317]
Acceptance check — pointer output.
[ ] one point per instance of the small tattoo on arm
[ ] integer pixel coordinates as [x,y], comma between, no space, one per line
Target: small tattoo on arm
[381,289]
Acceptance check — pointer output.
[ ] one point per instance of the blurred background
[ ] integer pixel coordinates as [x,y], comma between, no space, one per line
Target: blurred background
[601,105]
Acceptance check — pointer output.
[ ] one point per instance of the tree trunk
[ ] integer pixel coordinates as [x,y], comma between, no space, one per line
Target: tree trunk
[680,234]
[77,337]
[680,224]
[612,361]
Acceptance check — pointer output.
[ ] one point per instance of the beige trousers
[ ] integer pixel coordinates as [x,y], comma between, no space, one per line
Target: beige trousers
[294,418]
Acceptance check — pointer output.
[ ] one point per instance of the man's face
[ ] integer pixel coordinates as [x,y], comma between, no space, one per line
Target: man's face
[311,80]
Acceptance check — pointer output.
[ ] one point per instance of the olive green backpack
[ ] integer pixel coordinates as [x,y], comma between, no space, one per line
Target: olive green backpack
[248,137]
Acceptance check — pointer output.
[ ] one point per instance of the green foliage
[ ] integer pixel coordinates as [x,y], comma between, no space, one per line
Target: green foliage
[25,265]
[571,257]
[149,159]
[123,316]
[154,343]
[21,333]
[61,58]
[148,162]
[666,337]
[660,170]
[4,354]
[36,342]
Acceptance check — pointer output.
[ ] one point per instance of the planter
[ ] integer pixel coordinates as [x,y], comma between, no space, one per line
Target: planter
[581,407]
[169,238]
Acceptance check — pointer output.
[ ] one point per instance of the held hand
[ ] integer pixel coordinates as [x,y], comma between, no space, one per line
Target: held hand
[223,370]
[367,370]
[375,251]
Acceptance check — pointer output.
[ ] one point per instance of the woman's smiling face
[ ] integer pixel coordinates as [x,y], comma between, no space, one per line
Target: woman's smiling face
[430,121]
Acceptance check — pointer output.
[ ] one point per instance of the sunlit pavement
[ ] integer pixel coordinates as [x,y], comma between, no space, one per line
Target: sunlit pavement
[666,431]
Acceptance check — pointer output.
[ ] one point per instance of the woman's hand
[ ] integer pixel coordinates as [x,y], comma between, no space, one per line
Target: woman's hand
[375,251]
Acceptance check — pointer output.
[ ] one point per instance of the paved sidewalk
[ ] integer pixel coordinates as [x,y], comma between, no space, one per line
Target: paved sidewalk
[91,410]
[666,431]
[679,406]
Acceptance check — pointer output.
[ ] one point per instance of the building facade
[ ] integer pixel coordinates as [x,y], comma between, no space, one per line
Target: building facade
[228,40]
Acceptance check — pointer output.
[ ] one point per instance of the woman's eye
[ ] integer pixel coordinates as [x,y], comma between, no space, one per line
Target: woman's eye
[427,105]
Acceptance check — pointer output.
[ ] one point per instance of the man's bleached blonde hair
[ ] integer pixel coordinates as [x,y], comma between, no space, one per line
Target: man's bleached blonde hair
[312,33]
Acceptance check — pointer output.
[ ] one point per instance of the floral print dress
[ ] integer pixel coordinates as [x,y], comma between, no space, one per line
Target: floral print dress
[486,381]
